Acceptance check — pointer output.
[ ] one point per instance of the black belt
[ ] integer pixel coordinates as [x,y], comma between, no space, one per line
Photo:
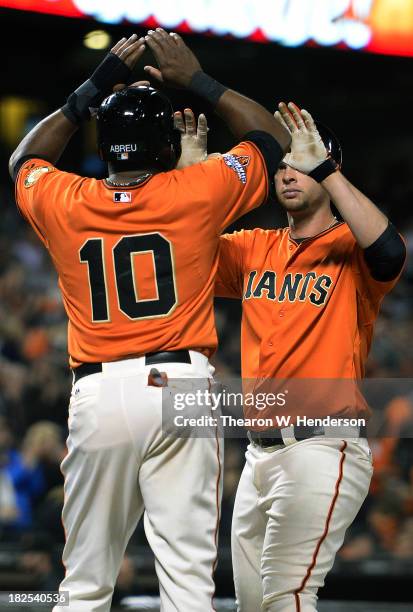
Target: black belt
[273,437]
[150,359]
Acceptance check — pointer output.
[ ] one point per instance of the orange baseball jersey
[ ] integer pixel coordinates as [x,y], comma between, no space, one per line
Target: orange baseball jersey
[308,308]
[137,265]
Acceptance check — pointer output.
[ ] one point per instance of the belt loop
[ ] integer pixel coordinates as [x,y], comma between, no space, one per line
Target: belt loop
[287,434]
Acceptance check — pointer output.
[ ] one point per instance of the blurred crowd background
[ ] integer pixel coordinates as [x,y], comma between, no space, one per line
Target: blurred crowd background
[367,102]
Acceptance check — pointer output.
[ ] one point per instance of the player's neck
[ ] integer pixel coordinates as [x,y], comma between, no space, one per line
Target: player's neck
[305,226]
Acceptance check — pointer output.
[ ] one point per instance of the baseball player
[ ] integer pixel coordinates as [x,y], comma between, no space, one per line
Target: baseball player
[310,295]
[136,256]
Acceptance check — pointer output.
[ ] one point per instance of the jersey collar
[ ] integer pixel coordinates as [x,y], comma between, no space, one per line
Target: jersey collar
[134,185]
[300,241]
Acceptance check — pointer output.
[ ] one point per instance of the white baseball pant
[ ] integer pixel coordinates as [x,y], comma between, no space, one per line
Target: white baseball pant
[120,465]
[292,509]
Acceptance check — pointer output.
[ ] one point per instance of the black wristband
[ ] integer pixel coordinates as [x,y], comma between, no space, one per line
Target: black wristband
[111,71]
[79,102]
[319,174]
[206,87]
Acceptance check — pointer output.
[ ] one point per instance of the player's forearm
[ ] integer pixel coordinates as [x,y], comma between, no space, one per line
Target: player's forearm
[47,140]
[243,115]
[383,248]
[365,220]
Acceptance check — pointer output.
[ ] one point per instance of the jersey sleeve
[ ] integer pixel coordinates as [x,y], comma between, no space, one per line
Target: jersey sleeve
[367,287]
[229,279]
[39,191]
[233,183]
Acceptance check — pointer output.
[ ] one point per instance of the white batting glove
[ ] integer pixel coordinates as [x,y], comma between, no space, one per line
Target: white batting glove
[307,148]
[193,138]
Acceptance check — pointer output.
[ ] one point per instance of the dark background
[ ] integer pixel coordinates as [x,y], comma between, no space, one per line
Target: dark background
[367,101]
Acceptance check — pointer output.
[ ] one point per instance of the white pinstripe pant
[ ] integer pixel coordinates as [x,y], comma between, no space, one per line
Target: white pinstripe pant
[292,509]
[121,465]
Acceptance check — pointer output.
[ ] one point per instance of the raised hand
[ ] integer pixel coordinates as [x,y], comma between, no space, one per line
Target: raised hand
[176,62]
[193,137]
[116,67]
[307,148]
[129,50]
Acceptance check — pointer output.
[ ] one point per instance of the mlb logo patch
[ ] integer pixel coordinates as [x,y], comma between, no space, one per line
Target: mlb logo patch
[122,196]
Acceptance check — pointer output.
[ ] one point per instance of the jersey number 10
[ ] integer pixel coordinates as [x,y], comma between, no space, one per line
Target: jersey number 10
[92,253]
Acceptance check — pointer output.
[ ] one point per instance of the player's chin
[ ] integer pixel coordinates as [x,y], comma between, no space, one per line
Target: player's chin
[296,204]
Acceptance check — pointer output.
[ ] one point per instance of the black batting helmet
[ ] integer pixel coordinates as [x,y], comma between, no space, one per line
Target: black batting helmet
[331,142]
[135,126]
